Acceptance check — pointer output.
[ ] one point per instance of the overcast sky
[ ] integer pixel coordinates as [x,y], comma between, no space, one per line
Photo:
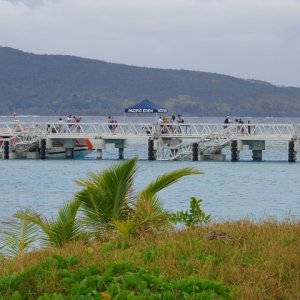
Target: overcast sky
[257,39]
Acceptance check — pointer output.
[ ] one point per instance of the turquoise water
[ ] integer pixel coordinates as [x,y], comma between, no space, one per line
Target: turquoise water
[230,190]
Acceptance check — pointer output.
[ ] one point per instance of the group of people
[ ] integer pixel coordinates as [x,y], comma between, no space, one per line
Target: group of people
[173,119]
[237,121]
[112,123]
[170,128]
[73,119]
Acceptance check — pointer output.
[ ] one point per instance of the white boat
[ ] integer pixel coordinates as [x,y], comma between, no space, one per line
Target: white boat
[28,144]
[82,148]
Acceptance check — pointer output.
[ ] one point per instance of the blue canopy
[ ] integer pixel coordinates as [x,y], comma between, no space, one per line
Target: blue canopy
[146,106]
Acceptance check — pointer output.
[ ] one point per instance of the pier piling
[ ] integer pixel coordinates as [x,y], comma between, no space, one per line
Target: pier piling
[234,151]
[292,153]
[150,149]
[195,152]
[43,149]
[121,153]
[99,153]
[6,150]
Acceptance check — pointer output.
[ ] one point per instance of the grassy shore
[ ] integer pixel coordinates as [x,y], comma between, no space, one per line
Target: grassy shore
[256,261]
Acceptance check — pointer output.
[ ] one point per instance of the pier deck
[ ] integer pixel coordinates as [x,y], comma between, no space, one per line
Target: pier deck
[165,142]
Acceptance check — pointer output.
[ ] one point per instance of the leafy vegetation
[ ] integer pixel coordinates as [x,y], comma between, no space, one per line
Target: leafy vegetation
[59,231]
[58,85]
[17,236]
[119,280]
[195,216]
[256,261]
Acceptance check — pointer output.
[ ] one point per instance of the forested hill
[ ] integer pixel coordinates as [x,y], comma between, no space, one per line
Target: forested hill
[59,84]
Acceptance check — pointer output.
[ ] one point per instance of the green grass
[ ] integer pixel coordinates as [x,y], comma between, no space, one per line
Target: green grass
[242,260]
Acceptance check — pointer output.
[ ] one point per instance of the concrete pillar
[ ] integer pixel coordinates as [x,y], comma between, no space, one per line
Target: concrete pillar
[234,151]
[42,149]
[99,153]
[121,153]
[69,153]
[292,156]
[6,150]
[150,149]
[195,152]
[257,155]
[155,154]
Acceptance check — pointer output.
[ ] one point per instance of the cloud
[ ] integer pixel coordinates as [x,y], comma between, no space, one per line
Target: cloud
[244,38]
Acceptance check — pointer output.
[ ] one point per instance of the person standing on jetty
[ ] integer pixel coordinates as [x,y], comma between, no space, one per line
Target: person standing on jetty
[227,121]
[173,120]
[180,119]
[110,121]
[240,128]
[115,126]
[60,124]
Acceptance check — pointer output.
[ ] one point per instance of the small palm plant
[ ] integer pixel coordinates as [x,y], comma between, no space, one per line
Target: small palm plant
[56,232]
[108,200]
[17,236]
[107,196]
[107,204]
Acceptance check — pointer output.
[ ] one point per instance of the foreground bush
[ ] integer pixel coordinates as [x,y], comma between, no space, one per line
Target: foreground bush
[120,280]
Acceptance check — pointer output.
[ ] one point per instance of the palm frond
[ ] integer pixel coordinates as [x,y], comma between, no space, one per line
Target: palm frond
[116,183]
[34,218]
[150,215]
[166,180]
[66,227]
[59,231]
[107,195]
[17,236]
[94,206]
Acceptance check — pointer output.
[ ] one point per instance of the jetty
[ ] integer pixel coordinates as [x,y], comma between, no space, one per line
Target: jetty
[171,141]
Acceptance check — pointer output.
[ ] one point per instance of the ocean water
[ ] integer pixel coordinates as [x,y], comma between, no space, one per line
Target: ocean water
[230,190]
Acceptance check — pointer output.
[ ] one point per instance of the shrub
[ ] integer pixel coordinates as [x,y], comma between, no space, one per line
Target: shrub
[193,217]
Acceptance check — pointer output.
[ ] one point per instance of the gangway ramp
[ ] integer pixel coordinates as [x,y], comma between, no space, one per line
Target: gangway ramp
[211,143]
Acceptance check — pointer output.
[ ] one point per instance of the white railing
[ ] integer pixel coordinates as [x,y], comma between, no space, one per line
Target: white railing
[192,130]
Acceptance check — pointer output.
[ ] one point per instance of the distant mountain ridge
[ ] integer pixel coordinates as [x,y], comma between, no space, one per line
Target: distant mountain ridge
[61,84]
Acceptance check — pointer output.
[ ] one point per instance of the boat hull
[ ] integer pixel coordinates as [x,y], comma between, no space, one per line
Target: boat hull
[60,152]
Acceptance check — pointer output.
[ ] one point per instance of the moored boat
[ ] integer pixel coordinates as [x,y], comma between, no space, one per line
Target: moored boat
[83,148]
